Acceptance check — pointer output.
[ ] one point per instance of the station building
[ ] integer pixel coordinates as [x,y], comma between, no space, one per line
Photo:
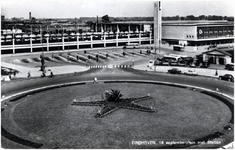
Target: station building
[118,33]
[198,33]
[188,33]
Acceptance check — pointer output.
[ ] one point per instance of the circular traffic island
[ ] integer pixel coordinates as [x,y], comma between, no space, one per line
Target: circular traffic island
[145,115]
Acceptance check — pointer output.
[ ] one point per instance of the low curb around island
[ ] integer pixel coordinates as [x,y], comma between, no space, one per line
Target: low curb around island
[209,92]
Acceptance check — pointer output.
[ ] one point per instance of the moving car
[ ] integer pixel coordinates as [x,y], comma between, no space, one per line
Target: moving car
[191,72]
[227,77]
[174,71]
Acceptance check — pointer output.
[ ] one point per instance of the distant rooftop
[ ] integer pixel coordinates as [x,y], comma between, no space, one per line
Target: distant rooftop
[177,22]
[195,22]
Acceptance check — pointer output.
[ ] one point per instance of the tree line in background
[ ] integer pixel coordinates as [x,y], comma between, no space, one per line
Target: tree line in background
[34,22]
[201,17]
[107,18]
[177,17]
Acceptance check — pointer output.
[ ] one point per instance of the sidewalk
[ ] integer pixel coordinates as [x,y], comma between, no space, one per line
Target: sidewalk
[36,73]
[200,71]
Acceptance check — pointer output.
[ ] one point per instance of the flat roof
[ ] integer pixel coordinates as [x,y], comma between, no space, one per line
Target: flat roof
[198,22]
[178,22]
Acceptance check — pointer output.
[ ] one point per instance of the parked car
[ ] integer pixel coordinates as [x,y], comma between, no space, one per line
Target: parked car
[229,66]
[192,65]
[174,71]
[191,72]
[173,63]
[227,77]
[204,65]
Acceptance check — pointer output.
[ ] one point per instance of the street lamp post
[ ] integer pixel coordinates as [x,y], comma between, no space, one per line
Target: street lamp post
[62,37]
[41,37]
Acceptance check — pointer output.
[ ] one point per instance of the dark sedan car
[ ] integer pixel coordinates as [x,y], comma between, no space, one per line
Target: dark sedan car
[227,77]
[174,71]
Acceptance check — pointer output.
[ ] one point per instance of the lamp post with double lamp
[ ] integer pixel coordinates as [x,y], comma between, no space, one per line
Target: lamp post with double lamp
[68,35]
[41,35]
[28,36]
[60,35]
[42,67]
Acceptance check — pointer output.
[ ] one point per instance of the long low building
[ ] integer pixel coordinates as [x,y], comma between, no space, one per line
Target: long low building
[197,33]
[185,33]
[188,33]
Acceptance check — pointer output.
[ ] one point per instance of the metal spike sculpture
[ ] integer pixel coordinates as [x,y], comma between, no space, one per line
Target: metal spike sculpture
[112,100]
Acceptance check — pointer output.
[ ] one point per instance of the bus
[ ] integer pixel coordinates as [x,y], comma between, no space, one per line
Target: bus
[171,57]
[132,45]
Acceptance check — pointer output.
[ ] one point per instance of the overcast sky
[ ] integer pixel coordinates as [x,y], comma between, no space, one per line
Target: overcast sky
[114,8]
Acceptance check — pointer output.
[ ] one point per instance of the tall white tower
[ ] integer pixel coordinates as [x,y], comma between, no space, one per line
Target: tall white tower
[157,24]
[30,17]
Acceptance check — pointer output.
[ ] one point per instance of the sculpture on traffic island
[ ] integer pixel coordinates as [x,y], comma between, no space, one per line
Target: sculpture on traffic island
[112,100]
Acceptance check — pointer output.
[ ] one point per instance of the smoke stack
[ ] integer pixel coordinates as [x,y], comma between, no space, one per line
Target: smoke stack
[30,16]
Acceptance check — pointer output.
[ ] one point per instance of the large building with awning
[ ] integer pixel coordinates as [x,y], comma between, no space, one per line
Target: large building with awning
[198,33]
[116,33]
[188,33]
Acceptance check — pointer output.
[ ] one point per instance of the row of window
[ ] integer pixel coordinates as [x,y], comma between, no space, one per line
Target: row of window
[190,36]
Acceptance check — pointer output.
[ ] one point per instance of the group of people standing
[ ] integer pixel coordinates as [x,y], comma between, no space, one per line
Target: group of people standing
[43,74]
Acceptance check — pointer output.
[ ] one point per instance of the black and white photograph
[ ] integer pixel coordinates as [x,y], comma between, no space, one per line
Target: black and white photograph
[117,74]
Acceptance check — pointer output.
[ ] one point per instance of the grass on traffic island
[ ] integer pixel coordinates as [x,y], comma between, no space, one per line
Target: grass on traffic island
[49,118]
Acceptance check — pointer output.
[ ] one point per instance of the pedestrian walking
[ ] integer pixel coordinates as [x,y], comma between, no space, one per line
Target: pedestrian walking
[51,74]
[43,74]
[29,74]
[216,72]
[95,80]
[14,73]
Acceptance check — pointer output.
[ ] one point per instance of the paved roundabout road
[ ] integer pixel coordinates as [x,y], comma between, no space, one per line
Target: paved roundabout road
[131,76]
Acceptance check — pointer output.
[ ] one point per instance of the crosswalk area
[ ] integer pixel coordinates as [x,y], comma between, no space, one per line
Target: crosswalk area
[110,66]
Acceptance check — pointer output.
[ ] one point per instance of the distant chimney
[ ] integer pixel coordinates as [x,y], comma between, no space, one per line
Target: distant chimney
[30,16]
